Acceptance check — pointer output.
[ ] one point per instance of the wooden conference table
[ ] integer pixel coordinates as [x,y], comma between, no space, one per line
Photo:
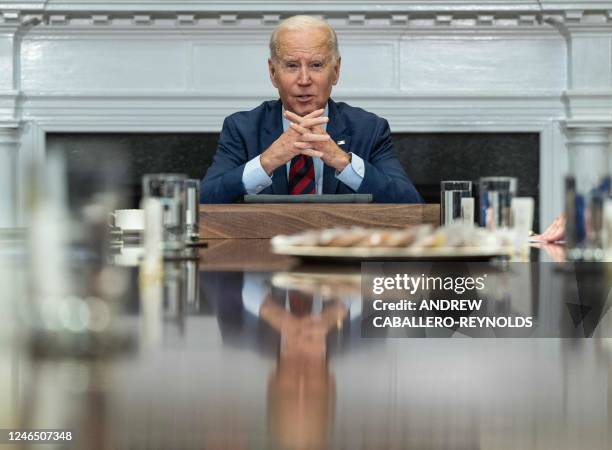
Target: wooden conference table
[238,235]
[214,363]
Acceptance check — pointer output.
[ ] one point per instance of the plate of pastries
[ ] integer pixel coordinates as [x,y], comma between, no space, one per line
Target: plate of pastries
[416,242]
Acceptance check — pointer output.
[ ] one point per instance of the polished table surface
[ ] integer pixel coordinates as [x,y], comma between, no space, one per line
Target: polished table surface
[208,356]
[266,220]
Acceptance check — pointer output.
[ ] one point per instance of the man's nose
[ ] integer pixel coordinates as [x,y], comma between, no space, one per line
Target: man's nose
[304,77]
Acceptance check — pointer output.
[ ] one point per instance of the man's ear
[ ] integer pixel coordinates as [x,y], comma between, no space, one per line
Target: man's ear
[272,72]
[337,70]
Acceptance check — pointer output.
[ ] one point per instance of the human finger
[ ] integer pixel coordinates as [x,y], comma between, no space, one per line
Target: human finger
[314,122]
[544,236]
[301,130]
[312,125]
[549,230]
[562,221]
[315,113]
[555,231]
[293,117]
[312,137]
[315,118]
[557,234]
[317,129]
[303,145]
[552,234]
[311,152]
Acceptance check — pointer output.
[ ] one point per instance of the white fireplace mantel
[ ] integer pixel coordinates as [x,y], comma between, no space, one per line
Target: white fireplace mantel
[182,66]
[313,5]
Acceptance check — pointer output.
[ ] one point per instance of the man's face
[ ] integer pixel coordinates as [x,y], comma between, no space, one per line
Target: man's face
[305,71]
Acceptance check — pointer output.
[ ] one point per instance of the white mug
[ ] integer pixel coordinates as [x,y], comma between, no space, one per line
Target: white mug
[128,219]
[129,256]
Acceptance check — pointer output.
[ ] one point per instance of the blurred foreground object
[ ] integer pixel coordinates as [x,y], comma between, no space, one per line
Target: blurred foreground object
[74,294]
[424,241]
[586,188]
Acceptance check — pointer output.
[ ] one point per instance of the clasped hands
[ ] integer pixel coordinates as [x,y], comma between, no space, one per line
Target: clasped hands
[304,136]
[288,324]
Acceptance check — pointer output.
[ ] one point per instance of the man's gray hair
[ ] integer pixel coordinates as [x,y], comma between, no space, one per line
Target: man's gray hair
[301,23]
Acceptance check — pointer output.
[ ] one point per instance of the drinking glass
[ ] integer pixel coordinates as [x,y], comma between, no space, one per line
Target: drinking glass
[455,199]
[496,195]
[192,211]
[169,188]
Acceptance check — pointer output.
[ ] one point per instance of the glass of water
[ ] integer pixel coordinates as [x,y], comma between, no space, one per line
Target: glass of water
[455,201]
[496,195]
[192,209]
[169,189]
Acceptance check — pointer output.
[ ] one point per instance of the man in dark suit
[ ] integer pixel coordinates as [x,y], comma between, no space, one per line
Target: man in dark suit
[305,143]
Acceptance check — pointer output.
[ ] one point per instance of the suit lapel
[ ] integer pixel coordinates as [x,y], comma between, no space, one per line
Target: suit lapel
[273,128]
[336,128]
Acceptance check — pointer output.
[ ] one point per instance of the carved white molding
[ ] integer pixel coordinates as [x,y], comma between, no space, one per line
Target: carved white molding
[589,103]
[115,20]
[588,124]
[355,13]
[8,103]
[205,111]
[337,5]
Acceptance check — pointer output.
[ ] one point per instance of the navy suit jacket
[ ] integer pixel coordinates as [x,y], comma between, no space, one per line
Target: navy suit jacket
[247,134]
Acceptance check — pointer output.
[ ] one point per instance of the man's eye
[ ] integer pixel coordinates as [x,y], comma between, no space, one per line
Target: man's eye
[291,65]
[317,65]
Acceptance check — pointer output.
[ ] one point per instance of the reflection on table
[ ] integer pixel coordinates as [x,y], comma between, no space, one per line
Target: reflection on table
[246,349]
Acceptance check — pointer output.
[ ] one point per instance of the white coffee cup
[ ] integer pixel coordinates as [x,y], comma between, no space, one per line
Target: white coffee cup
[128,219]
[129,256]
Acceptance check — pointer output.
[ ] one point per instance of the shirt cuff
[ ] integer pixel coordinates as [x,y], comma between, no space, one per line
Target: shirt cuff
[352,175]
[254,177]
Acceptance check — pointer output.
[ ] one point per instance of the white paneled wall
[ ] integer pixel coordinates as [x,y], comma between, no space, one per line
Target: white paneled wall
[82,65]
[469,63]
[226,67]
[479,66]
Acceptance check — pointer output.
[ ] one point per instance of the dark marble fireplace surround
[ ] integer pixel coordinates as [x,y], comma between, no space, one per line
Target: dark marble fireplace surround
[427,157]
